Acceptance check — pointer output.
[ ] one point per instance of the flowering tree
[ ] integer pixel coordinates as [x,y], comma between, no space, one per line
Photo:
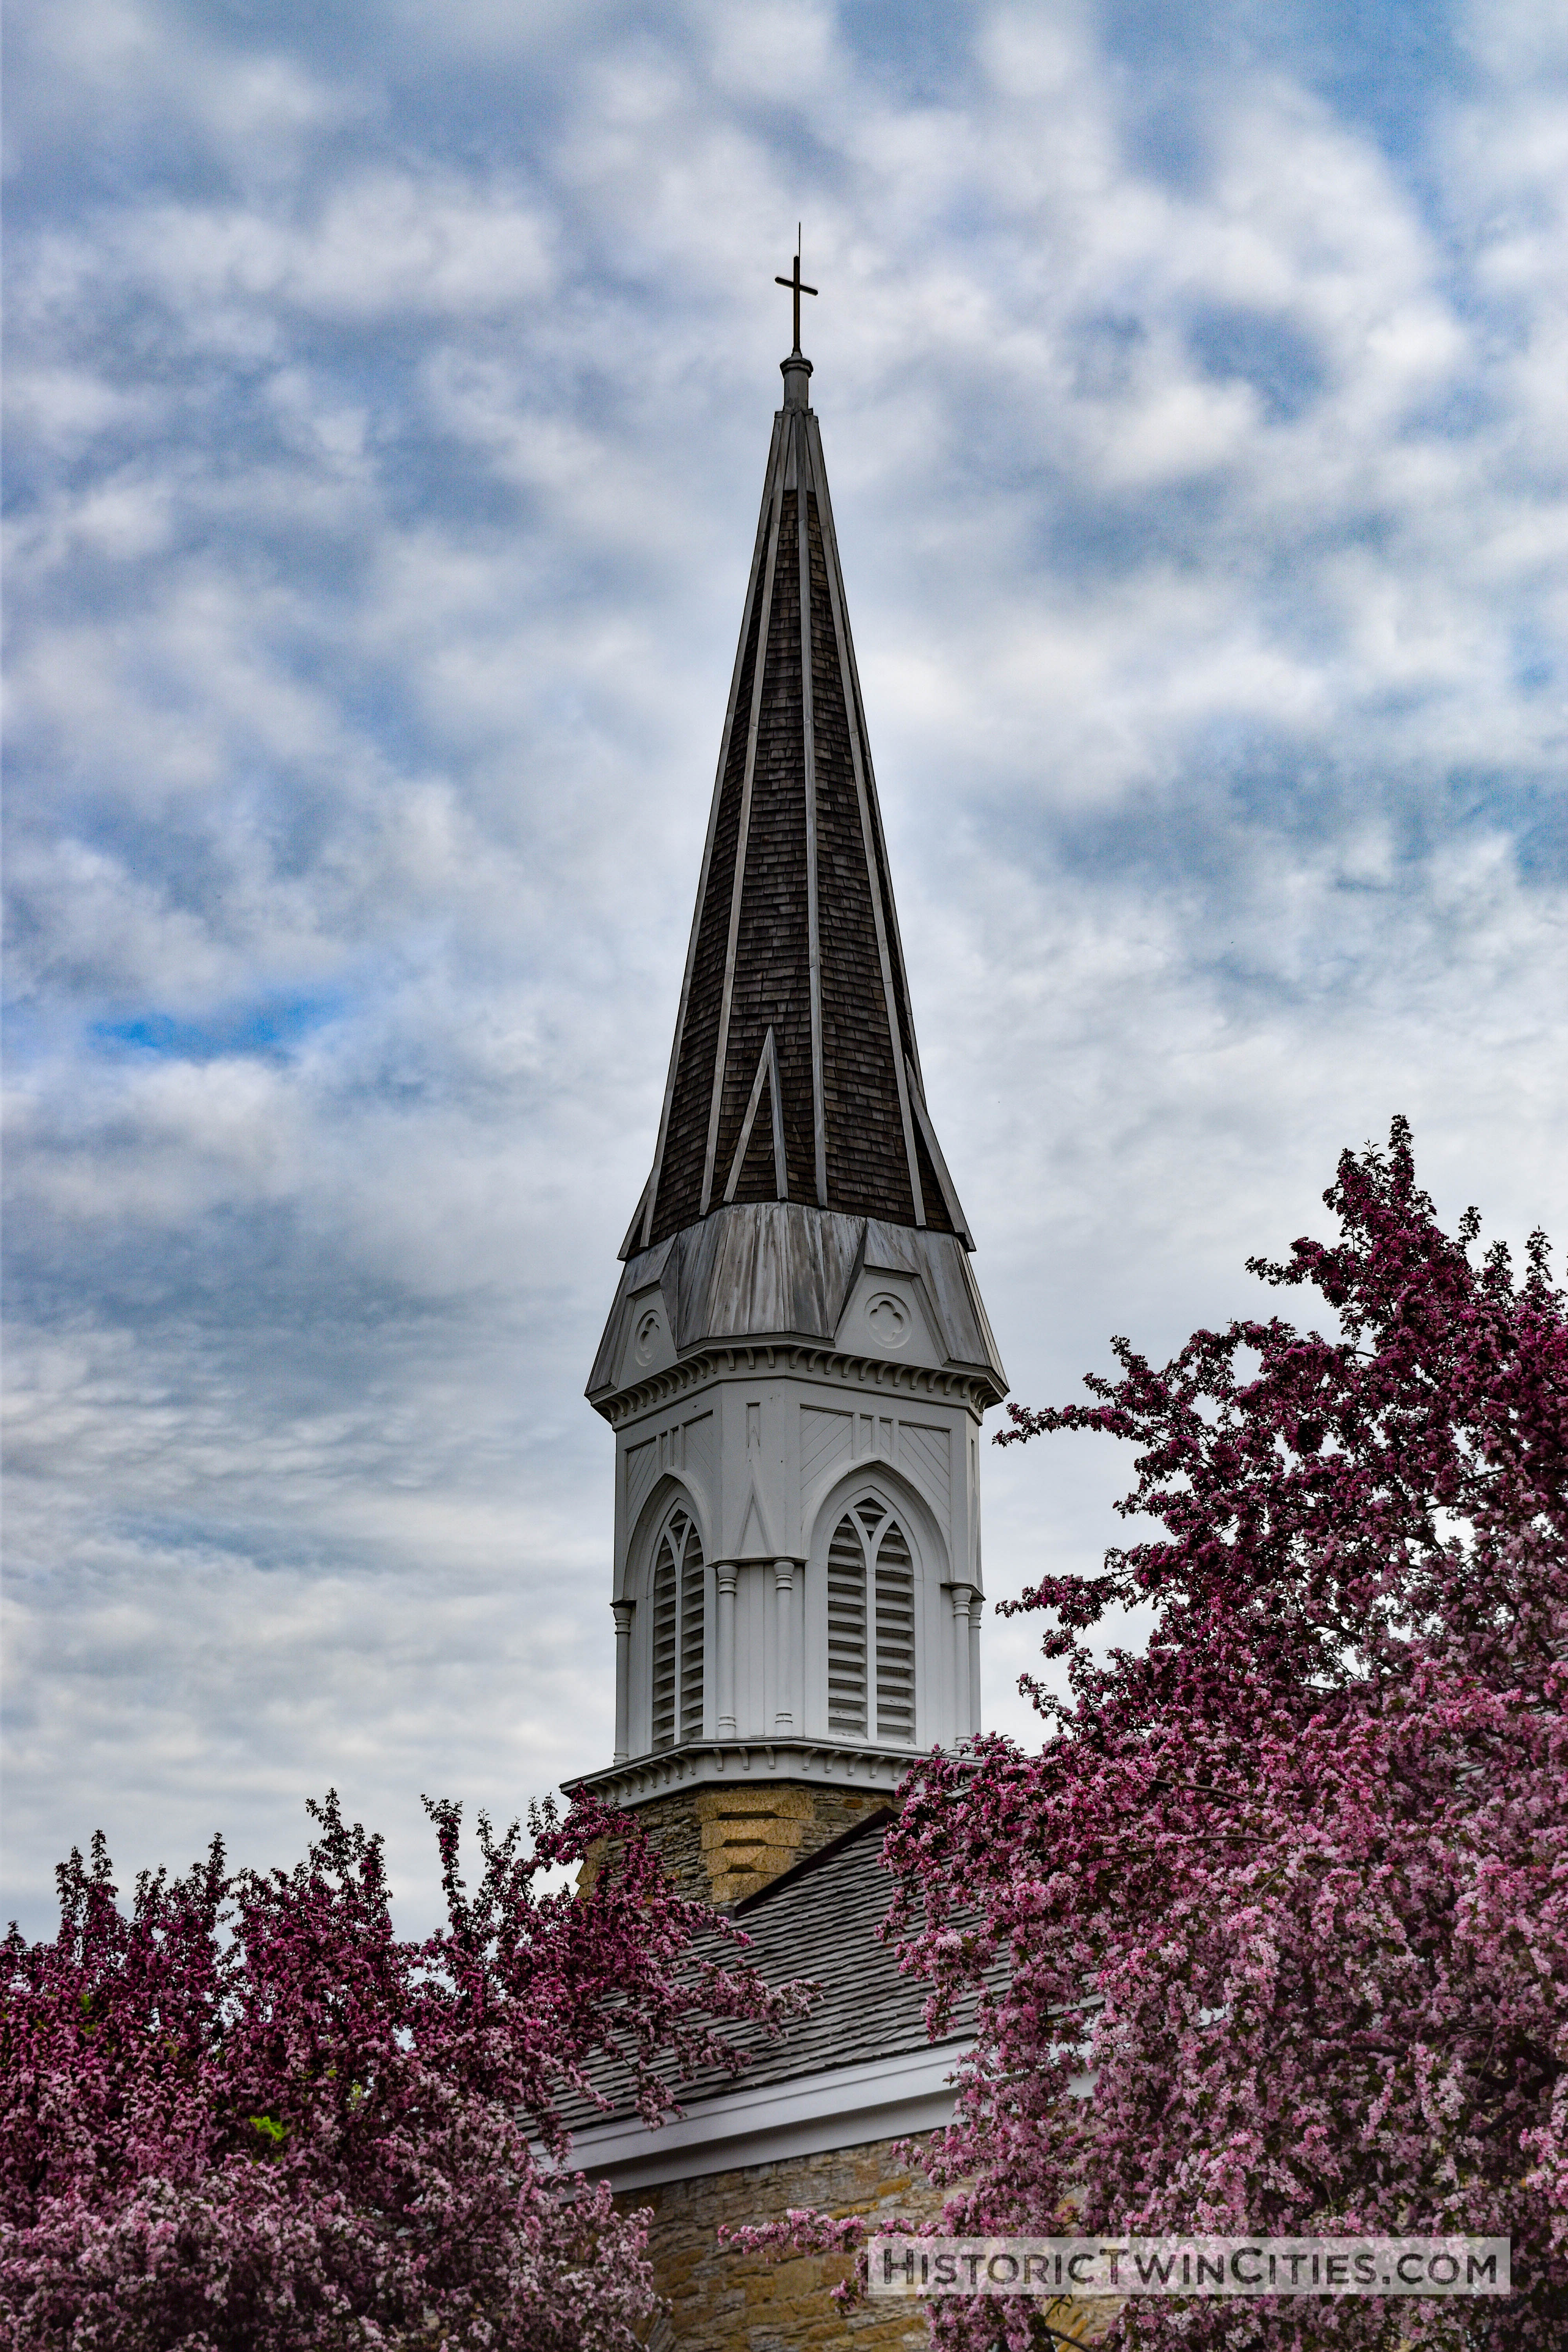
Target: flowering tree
[1272,1934]
[249,2117]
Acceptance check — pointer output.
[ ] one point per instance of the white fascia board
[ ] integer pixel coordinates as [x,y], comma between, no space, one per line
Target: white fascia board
[886,2098]
[706,1763]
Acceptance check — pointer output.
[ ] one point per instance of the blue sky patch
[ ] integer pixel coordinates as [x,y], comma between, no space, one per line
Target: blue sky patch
[269,1029]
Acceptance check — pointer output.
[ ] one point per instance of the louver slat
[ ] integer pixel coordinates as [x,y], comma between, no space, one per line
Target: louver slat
[664,1613]
[691,1615]
[846,1632]
[895,1639]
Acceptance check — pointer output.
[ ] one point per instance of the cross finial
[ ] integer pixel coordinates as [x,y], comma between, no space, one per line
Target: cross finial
[796,289]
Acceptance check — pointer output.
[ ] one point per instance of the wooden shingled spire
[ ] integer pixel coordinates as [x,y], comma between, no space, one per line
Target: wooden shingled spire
[794,1073]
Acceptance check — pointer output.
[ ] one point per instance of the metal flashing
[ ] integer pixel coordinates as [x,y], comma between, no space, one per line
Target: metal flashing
[651,1189]
[852,705]
[839,2106]
[774,1274]
[808,760]
[768,1075]
[950,1190]
[758,676]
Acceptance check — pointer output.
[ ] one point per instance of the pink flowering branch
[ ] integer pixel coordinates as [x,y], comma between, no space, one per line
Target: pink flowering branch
[1271,1934]
[247,2113]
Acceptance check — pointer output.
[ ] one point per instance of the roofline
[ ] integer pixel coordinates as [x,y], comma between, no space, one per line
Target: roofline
[834,2108]
[796,469]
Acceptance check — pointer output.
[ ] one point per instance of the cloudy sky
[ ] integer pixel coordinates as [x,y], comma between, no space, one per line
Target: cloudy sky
[389,390]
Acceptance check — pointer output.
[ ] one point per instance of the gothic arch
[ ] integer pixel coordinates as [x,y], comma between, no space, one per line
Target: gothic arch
[667,1489]
[877,1664]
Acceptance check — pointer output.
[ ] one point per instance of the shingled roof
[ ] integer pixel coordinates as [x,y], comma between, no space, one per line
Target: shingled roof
[817,1922]
[795,1073]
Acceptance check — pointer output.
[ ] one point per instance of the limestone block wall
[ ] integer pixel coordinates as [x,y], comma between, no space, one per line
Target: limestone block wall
[728,1842]
[721,2301]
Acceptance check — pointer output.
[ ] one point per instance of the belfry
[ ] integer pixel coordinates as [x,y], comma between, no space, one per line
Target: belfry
[795,1368]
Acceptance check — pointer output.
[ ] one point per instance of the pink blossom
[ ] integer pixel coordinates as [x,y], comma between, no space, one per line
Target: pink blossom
[248,2116]
[1289,1886]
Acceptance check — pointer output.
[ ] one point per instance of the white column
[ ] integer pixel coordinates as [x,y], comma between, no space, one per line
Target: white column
[784,1602]
[960,1699]
[724,1574]
[623,1612]
[976,1610]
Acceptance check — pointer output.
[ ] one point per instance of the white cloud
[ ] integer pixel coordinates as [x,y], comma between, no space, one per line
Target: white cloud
[388,243]
[777,53]
[388,433]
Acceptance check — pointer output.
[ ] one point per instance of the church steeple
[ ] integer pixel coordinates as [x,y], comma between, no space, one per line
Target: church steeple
[797,1360]
[795,1073]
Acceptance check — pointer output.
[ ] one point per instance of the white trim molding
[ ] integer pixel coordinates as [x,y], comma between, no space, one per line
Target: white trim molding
[700,1764]
[844,2106]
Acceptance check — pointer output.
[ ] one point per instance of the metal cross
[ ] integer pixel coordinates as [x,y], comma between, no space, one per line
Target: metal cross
[796,289]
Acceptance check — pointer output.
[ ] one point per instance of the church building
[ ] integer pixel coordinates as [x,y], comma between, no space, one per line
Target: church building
[795,1368]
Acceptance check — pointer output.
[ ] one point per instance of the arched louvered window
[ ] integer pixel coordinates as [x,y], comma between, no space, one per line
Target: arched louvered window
[677,1629]
[872,1627]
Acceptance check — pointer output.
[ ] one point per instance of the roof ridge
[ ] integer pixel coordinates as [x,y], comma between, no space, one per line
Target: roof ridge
[813,1860]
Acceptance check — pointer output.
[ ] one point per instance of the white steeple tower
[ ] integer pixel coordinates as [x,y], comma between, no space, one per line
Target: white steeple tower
[797,1360]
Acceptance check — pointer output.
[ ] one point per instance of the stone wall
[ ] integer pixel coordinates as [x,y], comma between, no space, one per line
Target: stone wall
[726,1844]
[721,2301]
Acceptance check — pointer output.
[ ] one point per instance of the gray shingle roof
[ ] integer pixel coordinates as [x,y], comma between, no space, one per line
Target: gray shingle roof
[819,1921]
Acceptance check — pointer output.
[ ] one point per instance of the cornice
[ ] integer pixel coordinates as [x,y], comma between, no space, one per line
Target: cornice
[709,1763]
[804,1359]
